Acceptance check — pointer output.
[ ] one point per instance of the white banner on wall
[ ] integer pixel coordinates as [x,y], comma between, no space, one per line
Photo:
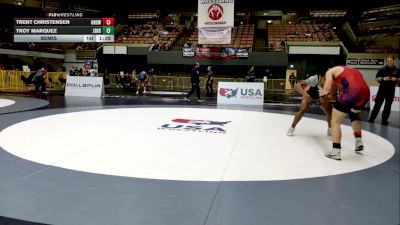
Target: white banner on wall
[314,50]
[240,93]
[396,100]
[84,86]
[215,35]
[108,49]
[215,13]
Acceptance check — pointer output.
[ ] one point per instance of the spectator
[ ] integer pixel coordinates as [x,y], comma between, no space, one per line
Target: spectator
[86,69]
[106,78]
[39,81]
[251,75]
[125,81]
[72,72]
[142,81]
[150,78]
[151,72]
[292,80]
[93,72]
[134,74]
[209,82]
[76,71]
[63,77]
[118,79]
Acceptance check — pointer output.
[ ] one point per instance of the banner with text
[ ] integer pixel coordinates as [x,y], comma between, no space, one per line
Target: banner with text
[217,36]
[366,62]
[242,53]
[188,51]
[215,13]
[222,53]
[84,86]
[396,100]
[240,93]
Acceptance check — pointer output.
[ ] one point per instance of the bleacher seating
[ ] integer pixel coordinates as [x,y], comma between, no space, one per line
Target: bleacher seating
[162,36]
[242,37]
[378,27]
[328,13]
[279,33]
[381,13]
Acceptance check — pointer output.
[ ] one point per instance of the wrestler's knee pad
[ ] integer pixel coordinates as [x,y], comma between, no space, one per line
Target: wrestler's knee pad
[354,116]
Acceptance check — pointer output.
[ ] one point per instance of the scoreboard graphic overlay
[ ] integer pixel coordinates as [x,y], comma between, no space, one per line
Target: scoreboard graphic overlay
[65,29]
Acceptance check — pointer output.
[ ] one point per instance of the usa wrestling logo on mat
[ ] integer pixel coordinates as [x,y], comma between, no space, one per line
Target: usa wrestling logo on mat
[203,126]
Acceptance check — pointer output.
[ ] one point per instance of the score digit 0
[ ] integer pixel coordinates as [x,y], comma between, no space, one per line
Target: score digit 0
[108,30]
[108,21]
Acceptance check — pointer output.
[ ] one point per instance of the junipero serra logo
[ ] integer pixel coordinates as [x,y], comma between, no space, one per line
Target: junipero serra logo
[215,11]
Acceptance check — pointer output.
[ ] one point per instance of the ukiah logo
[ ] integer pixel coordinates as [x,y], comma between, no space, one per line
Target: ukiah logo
[203,126]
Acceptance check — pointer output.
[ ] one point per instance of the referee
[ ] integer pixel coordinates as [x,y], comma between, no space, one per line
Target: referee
[388,76]
[195,80]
